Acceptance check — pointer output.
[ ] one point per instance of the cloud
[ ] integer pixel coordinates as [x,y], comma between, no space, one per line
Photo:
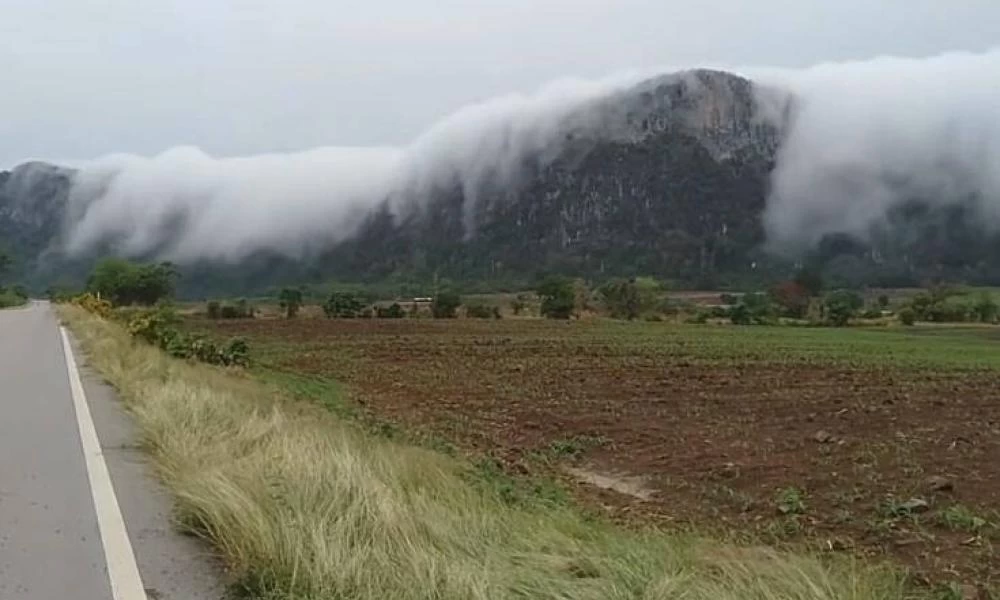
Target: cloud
[863,137]
[867,136]
[185,205]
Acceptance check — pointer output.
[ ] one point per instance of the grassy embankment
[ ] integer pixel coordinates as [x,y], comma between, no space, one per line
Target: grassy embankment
[303,505]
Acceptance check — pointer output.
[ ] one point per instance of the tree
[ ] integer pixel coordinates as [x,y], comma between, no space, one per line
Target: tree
[290,300]
[125,283]
[445,305]
[558,297]
[907,316]
[841,306]
[985,308]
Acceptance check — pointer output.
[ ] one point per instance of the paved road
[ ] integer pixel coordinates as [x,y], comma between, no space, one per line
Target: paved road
[53,543]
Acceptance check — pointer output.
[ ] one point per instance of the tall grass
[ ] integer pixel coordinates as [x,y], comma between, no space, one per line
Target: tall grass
[301,505]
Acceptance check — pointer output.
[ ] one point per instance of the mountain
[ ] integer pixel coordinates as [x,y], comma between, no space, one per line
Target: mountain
[667,178]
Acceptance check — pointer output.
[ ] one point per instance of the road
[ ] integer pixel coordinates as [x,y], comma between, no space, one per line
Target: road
[80,514]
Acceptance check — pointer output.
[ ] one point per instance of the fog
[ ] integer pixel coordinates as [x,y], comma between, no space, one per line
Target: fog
[864,136]
[869,135]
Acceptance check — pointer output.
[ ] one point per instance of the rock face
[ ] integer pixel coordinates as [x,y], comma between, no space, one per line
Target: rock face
[668,178]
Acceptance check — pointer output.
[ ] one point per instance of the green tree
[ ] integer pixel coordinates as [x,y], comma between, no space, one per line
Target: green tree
[124,283]
[841,305]
[445,305]
[985,308]
[290,300]
[558,297]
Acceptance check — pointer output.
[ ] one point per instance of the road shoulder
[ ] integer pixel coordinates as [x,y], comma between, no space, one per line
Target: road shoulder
[173,566]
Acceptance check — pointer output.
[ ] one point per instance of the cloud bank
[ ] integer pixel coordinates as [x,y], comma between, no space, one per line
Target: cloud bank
[863,137]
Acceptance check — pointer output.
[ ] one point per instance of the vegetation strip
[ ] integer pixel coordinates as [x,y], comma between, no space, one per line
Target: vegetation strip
[302,505]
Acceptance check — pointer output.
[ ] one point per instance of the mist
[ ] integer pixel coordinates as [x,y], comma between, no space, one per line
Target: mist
[184,205]
[866,136]
[863,137]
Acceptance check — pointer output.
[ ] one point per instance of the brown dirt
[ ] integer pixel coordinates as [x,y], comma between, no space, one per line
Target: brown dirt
[710,443]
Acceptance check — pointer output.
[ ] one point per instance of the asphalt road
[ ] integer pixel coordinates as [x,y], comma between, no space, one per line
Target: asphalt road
[80,513]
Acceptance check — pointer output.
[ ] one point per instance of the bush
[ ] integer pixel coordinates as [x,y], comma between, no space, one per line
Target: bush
[519,303]
[872,313]
[13,297]
[753,309]
[478,311]
[883,301]
[94,305]
[558,298]
[907,316]
[445,305]
[158,328]
[393,311]
[342,305]
[841,306]
[792,297]
[214,310]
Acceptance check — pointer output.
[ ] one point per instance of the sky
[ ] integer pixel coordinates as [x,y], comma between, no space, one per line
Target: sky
[86,78]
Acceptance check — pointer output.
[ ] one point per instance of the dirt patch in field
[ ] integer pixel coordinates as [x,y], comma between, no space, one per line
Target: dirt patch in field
[866,460]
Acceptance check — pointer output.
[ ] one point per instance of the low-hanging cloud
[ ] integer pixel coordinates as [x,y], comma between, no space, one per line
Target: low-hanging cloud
[863,136]
[866,136]
[186,205]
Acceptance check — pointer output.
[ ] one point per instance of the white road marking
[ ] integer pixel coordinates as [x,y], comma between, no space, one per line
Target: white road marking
[126,584]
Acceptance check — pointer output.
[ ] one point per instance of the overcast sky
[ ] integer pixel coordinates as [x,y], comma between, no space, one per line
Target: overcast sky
[83,78]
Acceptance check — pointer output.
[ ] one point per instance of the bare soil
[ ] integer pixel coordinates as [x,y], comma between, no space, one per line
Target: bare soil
[866,459]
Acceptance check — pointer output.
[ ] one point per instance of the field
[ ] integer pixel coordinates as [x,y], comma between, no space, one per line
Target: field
[876,442]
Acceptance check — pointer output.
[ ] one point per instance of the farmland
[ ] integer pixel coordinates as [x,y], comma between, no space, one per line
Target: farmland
[872,441]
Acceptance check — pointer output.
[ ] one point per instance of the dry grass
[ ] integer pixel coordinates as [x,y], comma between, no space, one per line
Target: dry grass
[302,505]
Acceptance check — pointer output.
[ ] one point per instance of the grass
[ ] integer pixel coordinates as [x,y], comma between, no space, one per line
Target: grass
[302,504]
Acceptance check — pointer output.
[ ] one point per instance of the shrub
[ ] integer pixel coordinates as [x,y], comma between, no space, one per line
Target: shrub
[558,298]
[478,311]
[872,313]
[519,303]
[393,311]
[753,309]
[94,305]
[907,316]
[841,306]
[740,315]
[213,309]
[342,305]
[158,328]
[445,305]
[792,297]
[883,301]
